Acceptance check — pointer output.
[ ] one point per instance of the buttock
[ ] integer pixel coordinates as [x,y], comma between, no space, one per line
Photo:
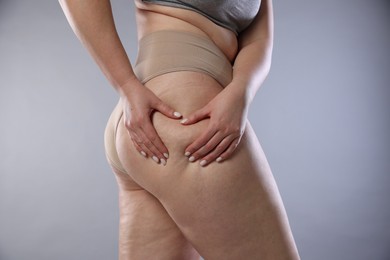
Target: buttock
[185,91]
[185,70]
[169,51]
[110,138]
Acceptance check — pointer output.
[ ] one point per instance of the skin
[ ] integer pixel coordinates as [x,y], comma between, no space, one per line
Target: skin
[178,209]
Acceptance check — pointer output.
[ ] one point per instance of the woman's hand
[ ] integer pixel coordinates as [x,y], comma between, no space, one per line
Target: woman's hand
[228,113]
[138,105]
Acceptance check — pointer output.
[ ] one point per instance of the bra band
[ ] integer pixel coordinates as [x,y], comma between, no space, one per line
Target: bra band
[167,51]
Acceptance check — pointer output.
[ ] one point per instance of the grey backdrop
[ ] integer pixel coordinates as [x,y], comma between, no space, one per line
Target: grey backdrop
[321,116]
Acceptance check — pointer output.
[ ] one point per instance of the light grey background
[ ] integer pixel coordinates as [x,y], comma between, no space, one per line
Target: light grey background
[321,116]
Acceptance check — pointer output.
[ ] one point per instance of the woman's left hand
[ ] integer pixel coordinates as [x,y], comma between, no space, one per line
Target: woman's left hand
[228,114]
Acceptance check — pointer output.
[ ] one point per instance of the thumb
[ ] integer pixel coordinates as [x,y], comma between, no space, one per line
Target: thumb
[196,116]
[167,110]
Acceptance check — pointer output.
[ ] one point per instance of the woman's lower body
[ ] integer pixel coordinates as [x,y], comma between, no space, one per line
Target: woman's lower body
[227,210]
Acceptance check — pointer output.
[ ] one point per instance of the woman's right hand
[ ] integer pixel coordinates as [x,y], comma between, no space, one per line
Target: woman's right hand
[139,103]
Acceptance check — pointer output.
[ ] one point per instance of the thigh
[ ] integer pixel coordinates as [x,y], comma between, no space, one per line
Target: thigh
[236,212]
[228,210]
[146,231]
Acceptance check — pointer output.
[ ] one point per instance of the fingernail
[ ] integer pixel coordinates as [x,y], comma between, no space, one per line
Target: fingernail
[184,120]
[143,153]
[155,158]
[177,114]
[163,161]
[219,159]
[203,162]
[166,155]
[191,159]
[187,154]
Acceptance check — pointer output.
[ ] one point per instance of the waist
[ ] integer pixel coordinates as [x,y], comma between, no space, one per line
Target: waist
[166,51]
[153,17]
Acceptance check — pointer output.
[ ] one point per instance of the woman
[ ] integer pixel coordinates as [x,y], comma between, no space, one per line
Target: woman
[193,179]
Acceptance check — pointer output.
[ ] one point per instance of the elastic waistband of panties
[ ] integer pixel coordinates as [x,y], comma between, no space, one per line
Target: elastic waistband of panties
[167,51]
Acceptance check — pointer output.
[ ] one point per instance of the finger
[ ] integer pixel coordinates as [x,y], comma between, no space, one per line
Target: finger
[200,141]
[139,149]
[139,146]
[154,143]
[208,147]
[218,150]
[132,131]
[167,110]
[196,116]
[146,142]
[225,155]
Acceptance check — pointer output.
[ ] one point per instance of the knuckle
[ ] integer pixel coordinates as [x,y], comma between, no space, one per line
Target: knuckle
[132,125]
[200,154]
[138,120]
[153,138]
[196,154]
[230,149]
[219,148]
[165,106]
[137,144]
[132,137]
[210,157]
[226,154]
[207,147]
[195,146]
[157,102]
[137,148]
[128,124]
[147,143]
